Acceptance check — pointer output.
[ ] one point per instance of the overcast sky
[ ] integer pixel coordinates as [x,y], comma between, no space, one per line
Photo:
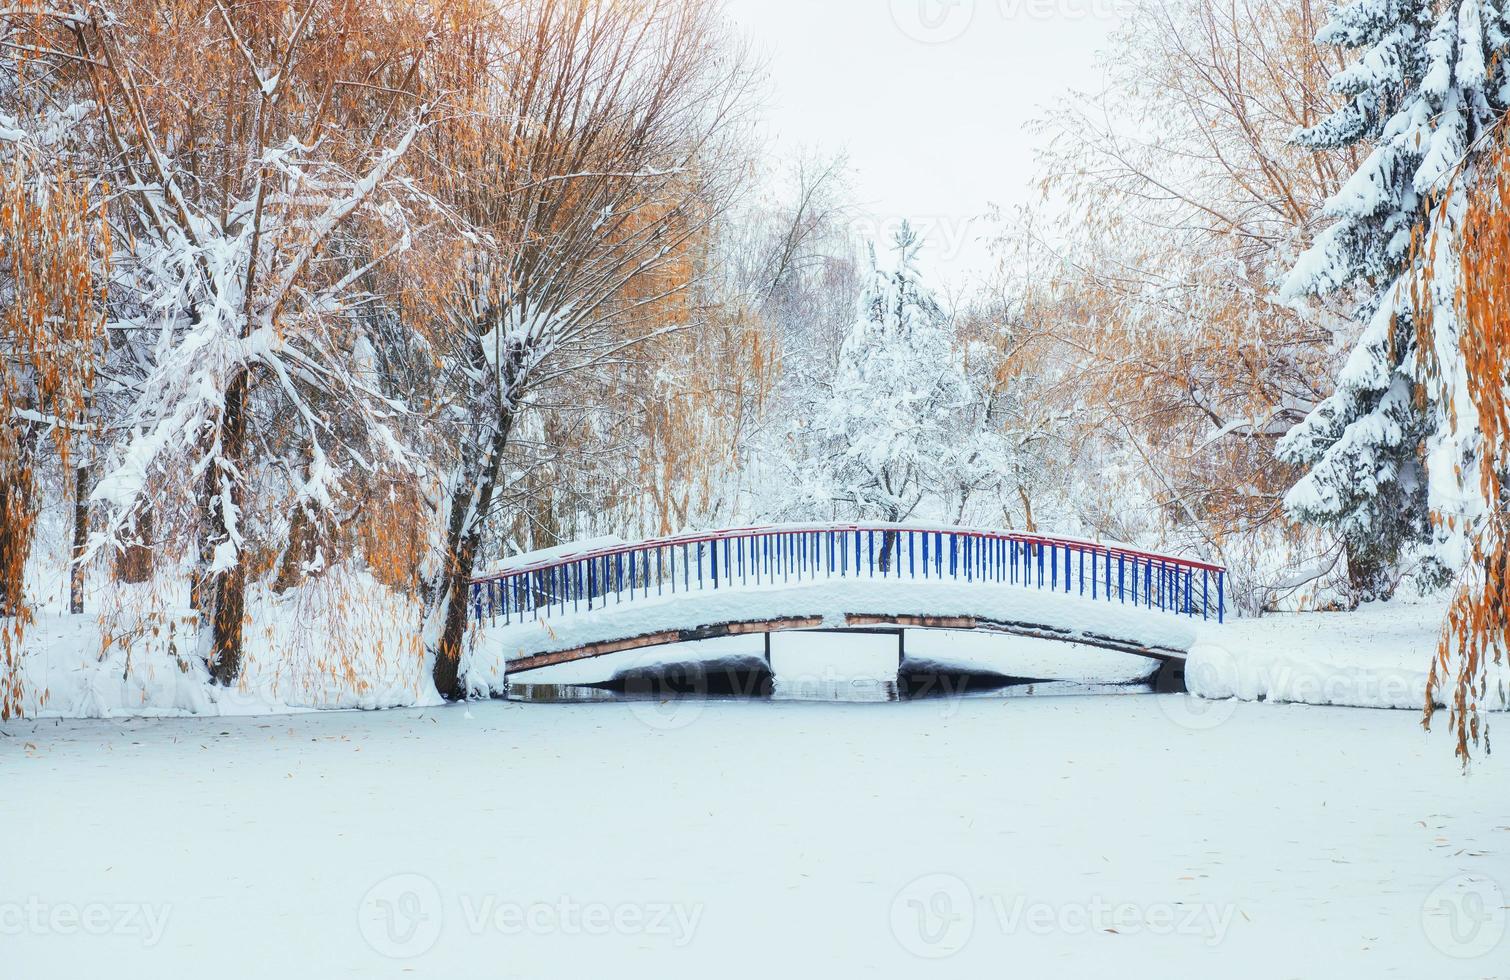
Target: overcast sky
[931,99]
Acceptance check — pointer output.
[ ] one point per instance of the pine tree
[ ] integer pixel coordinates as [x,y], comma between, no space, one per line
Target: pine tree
[1386,450]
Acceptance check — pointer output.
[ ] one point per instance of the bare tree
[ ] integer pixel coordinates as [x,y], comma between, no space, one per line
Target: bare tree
[1187,202]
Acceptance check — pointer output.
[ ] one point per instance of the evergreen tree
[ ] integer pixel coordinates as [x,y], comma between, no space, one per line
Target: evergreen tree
[1387,451]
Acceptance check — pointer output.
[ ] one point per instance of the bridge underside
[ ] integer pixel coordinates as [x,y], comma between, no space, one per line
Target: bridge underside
[1038,631]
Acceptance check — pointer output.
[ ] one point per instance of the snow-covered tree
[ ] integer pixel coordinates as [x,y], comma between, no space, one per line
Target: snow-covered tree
[50,325]
[881,439]
[1014,454]
[239,178]
[581,201]
[1386,452]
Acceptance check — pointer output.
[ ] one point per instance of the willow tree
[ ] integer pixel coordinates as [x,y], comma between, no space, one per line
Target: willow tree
[1189,203]
[245,141]
[597,162]
[50,322]
[1473,377]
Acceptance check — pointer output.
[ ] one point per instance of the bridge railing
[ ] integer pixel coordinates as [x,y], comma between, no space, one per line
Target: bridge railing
[767,556]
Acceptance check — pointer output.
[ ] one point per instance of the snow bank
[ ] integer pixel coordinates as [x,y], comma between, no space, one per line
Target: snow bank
[344,642]
[69,671]
[1376,657]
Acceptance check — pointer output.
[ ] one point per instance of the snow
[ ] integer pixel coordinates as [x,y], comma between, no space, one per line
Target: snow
[1062,836]
[1376,657]
[342,642]
[547,555]
[1019,656]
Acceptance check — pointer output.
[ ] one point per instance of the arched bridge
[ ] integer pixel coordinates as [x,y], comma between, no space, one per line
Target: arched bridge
[569,605]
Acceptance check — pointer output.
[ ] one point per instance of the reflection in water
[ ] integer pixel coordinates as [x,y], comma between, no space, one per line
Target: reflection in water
[756,683]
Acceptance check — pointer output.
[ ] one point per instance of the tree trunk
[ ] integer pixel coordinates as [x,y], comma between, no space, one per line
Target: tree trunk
[15,528]
[200,595]
[17,517]
[888,549]
[470,503]
[303,539]
[1370,576]
[133,564]
[230,583]
[454,588]
[81,483]
[1030,525]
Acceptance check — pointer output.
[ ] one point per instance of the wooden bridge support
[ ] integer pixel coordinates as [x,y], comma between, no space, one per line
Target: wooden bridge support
[877,625]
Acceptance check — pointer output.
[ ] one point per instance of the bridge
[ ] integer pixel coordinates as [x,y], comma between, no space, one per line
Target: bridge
[569,606]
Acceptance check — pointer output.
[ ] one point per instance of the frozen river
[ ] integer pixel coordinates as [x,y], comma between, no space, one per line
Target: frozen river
[1130,836]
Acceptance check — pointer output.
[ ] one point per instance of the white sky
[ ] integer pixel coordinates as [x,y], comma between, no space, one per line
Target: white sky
[930,98]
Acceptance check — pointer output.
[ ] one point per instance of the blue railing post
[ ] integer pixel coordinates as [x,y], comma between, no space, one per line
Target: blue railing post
[768,554]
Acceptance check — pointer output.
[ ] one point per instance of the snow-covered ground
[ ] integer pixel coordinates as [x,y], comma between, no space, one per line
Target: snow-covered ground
[1127,836]
[1376,657]
[345,642]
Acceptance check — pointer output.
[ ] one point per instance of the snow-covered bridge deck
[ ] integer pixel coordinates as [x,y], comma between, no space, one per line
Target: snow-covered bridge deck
[574,606]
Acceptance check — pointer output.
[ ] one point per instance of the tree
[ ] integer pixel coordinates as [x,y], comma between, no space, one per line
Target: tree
[1016,455]
[1383,452]
[881,440]
[243,169]
[1477,632]
[51,318]
[1187,202]
[599,161]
